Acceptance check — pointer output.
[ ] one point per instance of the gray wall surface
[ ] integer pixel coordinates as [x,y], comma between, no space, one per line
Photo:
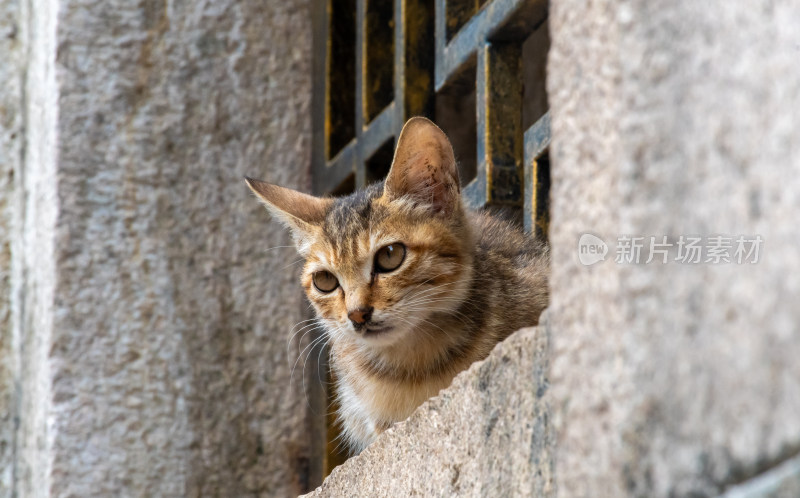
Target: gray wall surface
[675,118]
[149,346]
[11,138]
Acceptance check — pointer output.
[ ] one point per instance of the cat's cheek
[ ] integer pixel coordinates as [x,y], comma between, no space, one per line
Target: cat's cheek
[328,307]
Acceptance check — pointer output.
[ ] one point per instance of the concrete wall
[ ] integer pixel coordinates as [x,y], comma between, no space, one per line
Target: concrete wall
[674,119]
[153,302]
[11,137]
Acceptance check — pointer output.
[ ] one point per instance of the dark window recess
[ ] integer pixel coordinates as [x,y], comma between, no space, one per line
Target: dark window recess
[378,57]
[458,13]
[534,76]
[475,67]
[347,186]
[455,115]
[378,165]
[340,123]
[537,214]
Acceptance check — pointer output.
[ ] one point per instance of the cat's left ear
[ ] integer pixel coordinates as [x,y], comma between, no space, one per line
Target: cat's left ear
[424,168]
[299,211]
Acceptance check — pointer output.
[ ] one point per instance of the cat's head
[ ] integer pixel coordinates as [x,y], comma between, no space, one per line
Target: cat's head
[382,262]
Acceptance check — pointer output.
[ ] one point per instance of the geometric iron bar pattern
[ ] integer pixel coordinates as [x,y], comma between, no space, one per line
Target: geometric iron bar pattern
[379,62]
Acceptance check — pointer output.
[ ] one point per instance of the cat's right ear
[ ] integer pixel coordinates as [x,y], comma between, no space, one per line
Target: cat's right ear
[424,168]
[300,212]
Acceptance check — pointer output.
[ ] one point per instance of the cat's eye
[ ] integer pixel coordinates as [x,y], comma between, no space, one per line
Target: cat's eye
[324,281]
[388,258]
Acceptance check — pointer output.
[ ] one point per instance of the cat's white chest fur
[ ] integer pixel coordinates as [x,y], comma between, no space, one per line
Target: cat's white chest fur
[369,405]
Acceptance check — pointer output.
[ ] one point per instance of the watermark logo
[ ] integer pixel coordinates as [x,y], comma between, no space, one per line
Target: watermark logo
[591,249]
[683,249]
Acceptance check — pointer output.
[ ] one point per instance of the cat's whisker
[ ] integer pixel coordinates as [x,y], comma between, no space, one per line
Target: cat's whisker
[426,282]
[309,347]
[434,290]
[319,366]
[466,300]
[300,355]
[308,329]
[320,341]
[293,263]
[314,321]
[420,298]
[420,301]
[426,292]
[305,390]
[417,305]
[292,333]
[277,247]
[454,313]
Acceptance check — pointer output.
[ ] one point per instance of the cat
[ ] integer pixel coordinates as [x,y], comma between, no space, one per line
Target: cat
[410,286]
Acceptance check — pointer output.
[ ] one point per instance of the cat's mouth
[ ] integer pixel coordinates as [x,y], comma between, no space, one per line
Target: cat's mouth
[376,331]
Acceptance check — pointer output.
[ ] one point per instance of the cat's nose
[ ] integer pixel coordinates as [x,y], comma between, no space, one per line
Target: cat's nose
[360,316]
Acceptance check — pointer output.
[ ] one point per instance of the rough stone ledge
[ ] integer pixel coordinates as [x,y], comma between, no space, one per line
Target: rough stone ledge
[488,434]
[782,481]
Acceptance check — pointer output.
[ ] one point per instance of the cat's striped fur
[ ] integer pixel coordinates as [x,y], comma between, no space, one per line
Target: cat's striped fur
[466,282]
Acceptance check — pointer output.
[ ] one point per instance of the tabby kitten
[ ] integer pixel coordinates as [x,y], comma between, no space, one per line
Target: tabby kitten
[410,286]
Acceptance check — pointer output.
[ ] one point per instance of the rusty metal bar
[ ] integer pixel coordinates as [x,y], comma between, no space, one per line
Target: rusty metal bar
[408,78]
[379,130]
[418,54]
[459,12]
[360,102]
[340,88]
[328,175]
[440,39]
[377,48]
[500,20]
[537,177]
[500,134]
[360,67]
[537,138]
[319,138]
[414,60]
[377,165]
[371,139]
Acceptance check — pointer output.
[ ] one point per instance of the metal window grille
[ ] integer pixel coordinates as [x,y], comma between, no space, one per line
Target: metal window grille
[475,67]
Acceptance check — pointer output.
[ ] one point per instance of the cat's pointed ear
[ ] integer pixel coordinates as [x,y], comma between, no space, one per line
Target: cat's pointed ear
[299,211]
[424,168]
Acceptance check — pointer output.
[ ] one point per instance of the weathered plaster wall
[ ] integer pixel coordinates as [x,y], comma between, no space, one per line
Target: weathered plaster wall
[11,137]
[155,298]
[674,119]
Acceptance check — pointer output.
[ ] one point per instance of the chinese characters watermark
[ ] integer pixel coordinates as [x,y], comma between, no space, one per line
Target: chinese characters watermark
[685,249]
